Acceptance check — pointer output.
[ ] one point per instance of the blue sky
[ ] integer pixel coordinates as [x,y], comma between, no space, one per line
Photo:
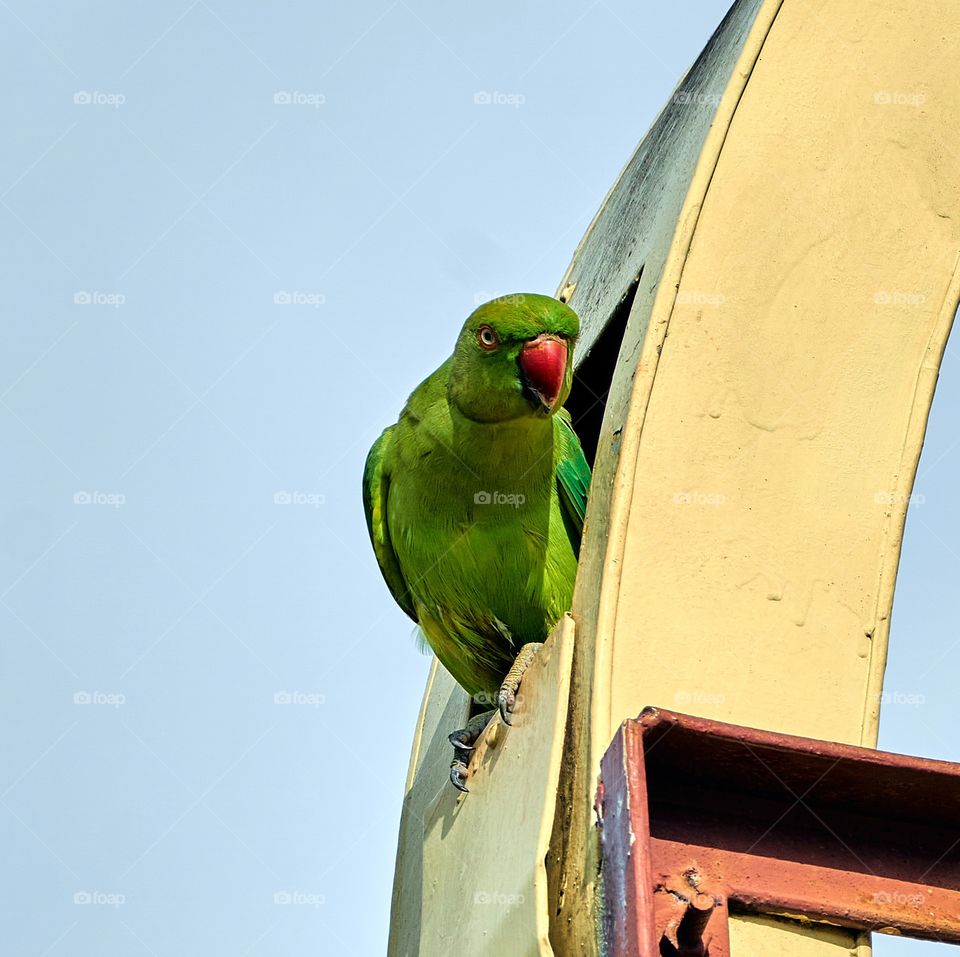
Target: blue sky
[234,237]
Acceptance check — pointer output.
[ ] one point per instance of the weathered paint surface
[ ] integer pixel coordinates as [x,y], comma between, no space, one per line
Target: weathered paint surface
[470,872]
[796,363]
[781,938]
[743,544]
[445,708]
[705,817]
[650,216]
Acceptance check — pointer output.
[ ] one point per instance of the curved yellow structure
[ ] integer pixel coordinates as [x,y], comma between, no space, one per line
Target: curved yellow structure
[794,217]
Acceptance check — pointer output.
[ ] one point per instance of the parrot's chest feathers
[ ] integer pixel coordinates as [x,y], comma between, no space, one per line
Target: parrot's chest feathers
[486,541]
[484,522]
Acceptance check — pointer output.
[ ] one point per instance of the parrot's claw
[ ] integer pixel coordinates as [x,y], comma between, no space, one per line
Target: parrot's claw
[464,741]
[461,740]
[506,702]
[507,698]
[458,774]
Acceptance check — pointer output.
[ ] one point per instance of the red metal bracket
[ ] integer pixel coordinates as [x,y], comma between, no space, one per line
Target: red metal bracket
[699,818]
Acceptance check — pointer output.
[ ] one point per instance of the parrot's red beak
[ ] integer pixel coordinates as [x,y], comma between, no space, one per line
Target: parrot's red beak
[543,362]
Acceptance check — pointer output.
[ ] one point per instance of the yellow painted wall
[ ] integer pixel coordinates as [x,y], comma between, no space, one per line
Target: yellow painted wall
[798,356]
[747,524]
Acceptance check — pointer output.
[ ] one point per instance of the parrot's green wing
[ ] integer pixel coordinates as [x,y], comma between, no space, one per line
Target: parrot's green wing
[573,475]
[376,488]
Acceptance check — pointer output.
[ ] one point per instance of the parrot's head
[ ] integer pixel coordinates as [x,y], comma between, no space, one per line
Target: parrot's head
[514,358]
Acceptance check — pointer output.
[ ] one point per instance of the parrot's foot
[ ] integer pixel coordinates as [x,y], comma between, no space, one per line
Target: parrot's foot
[463,742]
[507,697]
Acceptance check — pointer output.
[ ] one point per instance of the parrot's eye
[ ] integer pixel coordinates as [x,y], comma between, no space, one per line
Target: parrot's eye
[487,338]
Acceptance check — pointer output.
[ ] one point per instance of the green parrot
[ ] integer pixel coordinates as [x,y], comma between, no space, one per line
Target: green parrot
[475,500]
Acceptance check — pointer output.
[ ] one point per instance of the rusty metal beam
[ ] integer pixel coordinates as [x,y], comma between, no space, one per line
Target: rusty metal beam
[699,817]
